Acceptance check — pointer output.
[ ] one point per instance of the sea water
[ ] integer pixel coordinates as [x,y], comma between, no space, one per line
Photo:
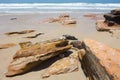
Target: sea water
[56,7]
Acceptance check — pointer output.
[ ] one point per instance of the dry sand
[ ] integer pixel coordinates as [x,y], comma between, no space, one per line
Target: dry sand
[85,28]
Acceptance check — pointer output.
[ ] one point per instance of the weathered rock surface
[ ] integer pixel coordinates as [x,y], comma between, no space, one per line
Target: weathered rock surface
[115,33]
[28,57]
[64,65]
[101,62]
[4,46]
[112,18]
[112,21]
[69,21]
[114,30]
[77,44]
[63,19]
[101,26]
[25,44]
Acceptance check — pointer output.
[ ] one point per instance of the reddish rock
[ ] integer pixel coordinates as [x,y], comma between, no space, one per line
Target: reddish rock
[101,62]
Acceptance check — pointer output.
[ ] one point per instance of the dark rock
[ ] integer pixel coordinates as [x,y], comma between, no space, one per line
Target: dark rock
[69,37]
[13,18]
[115,11]
[20,32]
[110,17]
[77,44]
[34,36]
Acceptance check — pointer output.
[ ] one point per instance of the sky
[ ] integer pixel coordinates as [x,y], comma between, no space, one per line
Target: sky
[59,1]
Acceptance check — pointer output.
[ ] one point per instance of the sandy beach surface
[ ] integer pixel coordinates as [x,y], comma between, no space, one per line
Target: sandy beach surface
[85,28]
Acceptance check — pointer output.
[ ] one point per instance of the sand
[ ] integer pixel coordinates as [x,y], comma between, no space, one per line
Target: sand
[85,28]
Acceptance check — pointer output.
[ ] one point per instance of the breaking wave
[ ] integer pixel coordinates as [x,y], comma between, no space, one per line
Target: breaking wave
[39,7]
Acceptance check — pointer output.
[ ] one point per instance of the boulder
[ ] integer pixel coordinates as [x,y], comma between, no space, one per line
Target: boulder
[100,62]
[64,65]
[28,57]
[112,18]
[115,11]
[103,26]
[77,44]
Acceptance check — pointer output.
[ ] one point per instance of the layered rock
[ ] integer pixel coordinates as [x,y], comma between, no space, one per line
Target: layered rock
[30,56]
[63,19]
[113,17]
[20,32]
[100,62]
[64,65]
[112,21]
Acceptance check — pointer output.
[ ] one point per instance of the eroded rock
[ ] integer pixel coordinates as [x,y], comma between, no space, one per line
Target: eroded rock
[25,44]
[4,46]
[20,32]
[63,19]
[69,21]
[64,65]
[101,62]
[28,57]
[77,44]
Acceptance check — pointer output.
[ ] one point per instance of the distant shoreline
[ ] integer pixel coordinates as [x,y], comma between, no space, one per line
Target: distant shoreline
[57,7]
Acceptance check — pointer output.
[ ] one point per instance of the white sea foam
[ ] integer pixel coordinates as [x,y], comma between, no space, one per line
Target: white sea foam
[56,6]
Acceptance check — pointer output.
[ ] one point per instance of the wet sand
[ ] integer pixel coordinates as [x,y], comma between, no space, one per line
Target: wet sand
[85,28]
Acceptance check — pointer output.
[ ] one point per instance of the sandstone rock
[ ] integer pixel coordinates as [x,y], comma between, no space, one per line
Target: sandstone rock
[28,57]
[62,19]
[21,32]
[51,20]
[103,26]
[4,46]
[101,62]
[64,65]
[25,44]
[69,21]
[115,33]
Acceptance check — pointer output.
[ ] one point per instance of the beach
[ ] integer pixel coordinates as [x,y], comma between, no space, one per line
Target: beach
[85,28]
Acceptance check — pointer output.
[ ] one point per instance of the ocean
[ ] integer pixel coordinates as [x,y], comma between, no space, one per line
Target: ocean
[55,6]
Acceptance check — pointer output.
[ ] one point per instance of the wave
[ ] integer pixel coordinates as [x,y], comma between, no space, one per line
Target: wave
[57,6]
